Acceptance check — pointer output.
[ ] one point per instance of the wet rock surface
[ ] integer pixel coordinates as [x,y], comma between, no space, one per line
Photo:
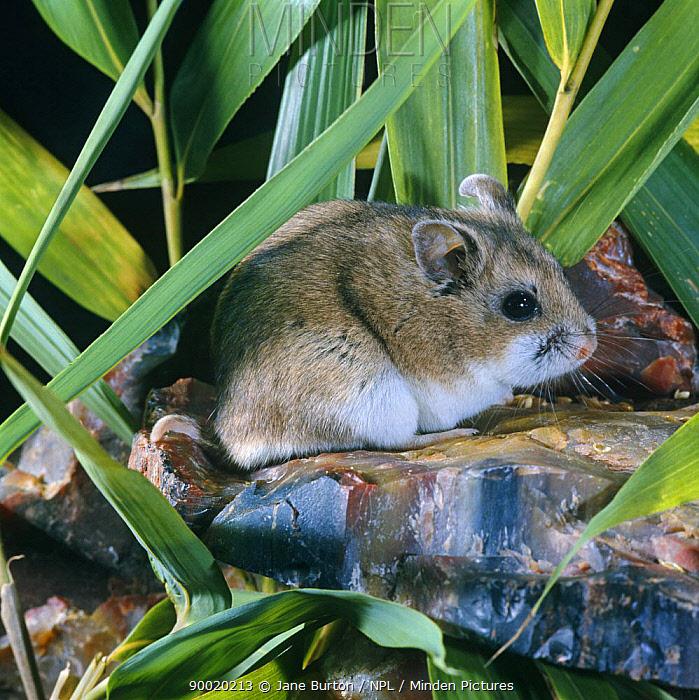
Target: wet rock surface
[465,529]
[645,346]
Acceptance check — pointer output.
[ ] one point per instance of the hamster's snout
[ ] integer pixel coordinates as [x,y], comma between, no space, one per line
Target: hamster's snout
[587,342]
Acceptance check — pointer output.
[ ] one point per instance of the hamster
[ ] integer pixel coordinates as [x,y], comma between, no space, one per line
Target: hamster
[363,326]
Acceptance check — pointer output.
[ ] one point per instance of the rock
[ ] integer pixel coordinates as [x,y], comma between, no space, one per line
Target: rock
[354,667]
[63,634]
[644,346]
[464,530]
[178,465]
[49,489]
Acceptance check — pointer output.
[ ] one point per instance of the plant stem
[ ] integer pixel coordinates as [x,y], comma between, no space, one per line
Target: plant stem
[172,195]
[565,97]
[20,641]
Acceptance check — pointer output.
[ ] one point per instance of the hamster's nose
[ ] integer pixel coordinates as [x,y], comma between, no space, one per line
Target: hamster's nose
[587,348]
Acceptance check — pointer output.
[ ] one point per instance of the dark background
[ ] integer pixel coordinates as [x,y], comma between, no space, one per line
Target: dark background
[56,96]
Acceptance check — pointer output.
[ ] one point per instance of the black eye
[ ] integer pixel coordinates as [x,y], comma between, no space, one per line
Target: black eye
[520,306]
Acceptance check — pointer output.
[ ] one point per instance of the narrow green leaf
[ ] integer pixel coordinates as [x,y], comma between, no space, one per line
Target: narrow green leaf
[667,228]
[36,333]
[209,648]
[457,105]
[103,32]
[155,624]
[190,574]
[381,189]
[569,685]
[236,46]
[634,115]
[525,123]
[93,259]
[290,189]
[106,123]
[630,690]
[324,79]
[521,36]
[472,679]
[564,26]
[658,215]
[667,479]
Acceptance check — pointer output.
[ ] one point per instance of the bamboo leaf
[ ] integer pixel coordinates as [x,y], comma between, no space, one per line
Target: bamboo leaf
[568,685]
[524,121]
[93,259]
[155,624]
[237,45]
[107,121]
[36,333]
[209,648]
[291,188]
[564,26]
[457,105]
[324,79]
[634,115]
[381,188]
[522,39]
[103,32]
[667,228]
[667,479]
[629,690]
[472,678]
[658,215]
[190,574]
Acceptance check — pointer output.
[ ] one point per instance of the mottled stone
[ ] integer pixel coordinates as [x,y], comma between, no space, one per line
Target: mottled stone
[464,530]
[178,465]
[644,346]
[62,634]
[49,489]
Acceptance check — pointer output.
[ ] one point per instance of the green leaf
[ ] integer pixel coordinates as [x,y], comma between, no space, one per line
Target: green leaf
[290,189]
[630,690]
[472,679]
[106,123]
[667,228]
[525,123]
[564,26]
[523,41]
[634,115]
[667,479]
[236,46]
[324,79]
[381,189]
[190,574]
[209,648]
[103,32]
[658,215]
[36,333]
[155,624]
[93,259]
[569,685]
[457,105]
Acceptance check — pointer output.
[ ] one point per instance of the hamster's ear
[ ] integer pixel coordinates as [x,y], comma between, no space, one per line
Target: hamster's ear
[488,191]
[442,252]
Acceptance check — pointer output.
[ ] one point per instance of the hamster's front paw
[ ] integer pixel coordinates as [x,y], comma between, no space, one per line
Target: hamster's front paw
[175,423]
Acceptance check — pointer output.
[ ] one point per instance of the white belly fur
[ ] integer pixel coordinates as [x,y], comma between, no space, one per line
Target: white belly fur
[441,406]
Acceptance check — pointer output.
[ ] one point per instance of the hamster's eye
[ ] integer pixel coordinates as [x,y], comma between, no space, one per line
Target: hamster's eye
[520,306]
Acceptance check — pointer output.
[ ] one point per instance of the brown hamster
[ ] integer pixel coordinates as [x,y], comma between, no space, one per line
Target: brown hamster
[361,325]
